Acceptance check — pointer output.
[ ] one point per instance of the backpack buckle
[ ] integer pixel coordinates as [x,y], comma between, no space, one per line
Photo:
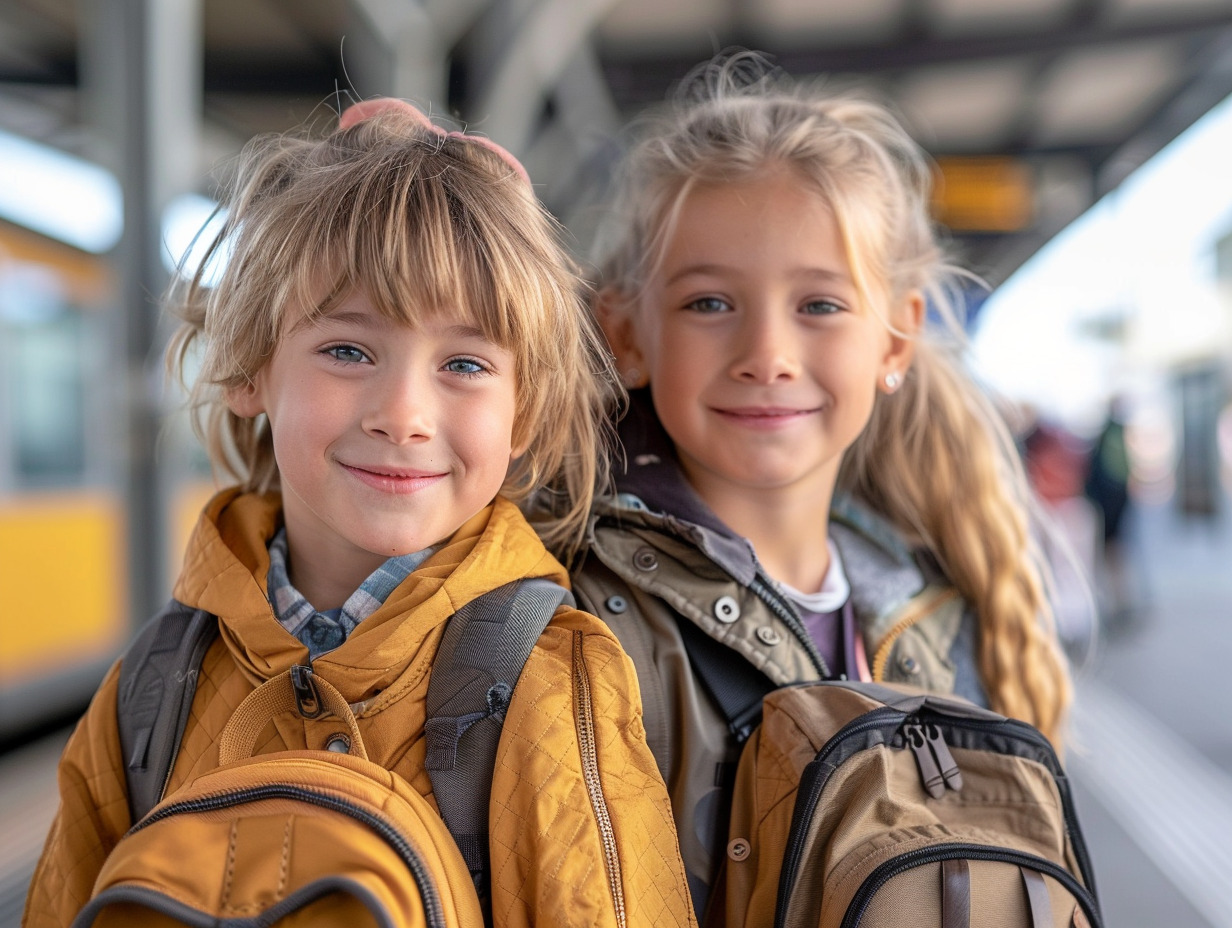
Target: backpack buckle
[307,700]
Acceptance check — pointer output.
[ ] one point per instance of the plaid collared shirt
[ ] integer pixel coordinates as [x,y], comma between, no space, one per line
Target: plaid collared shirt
[324,631]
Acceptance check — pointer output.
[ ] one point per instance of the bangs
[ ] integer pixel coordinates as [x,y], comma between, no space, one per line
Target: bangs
[415,233]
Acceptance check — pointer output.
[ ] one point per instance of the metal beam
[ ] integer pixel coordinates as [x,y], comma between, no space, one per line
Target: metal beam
[637,80]
[545,41]
[415,41]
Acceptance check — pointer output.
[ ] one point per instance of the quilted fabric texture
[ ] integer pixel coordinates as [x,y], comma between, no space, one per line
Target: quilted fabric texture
[582,832]
[548,860]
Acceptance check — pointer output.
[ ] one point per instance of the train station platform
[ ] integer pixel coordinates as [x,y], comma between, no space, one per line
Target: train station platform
[1151,761]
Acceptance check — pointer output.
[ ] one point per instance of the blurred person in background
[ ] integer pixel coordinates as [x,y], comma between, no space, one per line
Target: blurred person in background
[1106,485]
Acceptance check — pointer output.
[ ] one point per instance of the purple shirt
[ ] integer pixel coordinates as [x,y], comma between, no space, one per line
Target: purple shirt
[834,634]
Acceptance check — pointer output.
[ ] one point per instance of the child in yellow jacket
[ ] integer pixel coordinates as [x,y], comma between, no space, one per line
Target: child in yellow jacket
[394,356]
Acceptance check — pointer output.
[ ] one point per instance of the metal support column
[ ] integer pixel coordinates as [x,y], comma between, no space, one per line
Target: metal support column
[549,35]
[402,49]
[141,89]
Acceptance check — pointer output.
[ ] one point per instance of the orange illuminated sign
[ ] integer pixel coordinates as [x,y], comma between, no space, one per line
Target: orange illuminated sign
[986,194]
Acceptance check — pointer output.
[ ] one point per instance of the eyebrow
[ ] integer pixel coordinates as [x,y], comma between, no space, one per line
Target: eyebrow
[721,269]
[368,320]
[468,331]
[349,318]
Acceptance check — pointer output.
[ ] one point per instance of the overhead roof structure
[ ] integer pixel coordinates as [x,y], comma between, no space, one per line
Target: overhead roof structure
[1033,109]
[1068,95]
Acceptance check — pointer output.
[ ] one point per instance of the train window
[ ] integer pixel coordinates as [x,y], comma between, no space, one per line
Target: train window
[42,382]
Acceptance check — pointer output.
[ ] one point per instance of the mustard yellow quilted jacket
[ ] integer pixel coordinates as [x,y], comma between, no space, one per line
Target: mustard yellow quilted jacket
[581,827]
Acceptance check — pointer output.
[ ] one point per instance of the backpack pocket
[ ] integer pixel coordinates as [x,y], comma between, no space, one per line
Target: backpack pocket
[967,886]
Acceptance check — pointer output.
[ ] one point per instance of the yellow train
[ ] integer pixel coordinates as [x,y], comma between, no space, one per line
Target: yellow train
[63,563]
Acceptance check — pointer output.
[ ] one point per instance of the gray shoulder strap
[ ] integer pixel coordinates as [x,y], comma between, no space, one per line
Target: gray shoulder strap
[158,676]
[484,647]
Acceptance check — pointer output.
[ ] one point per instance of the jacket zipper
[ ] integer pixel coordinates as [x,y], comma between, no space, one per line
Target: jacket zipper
[583,713]
[913,617]
[433,913]
[891,720]
[787,614]
[937,853]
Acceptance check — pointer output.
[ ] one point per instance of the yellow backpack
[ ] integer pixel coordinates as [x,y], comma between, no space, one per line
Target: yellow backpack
[290,838]
[297,838]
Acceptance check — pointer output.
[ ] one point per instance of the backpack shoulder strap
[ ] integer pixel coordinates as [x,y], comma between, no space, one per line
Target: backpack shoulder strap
[480,658]
[736,685]
[158,677]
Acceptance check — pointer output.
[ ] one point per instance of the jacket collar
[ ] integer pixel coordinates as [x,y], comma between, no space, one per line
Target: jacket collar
[227,562]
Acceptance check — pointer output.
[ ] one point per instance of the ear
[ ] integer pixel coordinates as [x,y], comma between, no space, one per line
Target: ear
[245,399]
[615,312]
[908,320]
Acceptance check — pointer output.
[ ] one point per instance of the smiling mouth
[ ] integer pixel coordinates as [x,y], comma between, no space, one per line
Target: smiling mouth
[394,479]
[764,414]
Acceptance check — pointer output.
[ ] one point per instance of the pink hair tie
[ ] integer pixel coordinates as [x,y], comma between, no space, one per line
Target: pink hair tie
[366,109]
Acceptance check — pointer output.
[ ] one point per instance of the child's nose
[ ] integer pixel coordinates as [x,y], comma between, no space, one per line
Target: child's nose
[767,351]
[402,408]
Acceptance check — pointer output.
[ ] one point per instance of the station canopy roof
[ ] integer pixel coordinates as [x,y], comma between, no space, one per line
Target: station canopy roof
[1033,108]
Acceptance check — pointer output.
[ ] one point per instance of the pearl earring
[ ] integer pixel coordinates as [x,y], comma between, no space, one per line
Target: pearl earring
[633,378]
[893,380]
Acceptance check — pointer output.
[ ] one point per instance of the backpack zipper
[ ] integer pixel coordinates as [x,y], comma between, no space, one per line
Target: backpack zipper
[433,912]
[938,769]
[937,853]
[891,721]
[812,781]
[1045,754]
[584,718]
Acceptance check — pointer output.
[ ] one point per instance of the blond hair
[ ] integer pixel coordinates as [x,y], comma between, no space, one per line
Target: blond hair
[935,458]
[421,221]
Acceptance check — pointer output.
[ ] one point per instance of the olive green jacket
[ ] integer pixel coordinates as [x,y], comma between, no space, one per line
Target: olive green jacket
[647,571]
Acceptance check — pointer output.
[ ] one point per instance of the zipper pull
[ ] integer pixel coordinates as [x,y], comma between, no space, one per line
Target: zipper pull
[307,700]
[930,774]
[945,760]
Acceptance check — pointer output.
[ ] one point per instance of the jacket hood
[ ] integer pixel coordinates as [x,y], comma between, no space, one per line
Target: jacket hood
[227,563]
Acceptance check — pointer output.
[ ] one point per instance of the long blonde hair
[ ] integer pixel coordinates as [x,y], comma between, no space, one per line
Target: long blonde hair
[935,458]
[421,221]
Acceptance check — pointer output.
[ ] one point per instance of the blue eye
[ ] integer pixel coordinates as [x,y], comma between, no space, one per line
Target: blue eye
[709,305]
[348,354]
[821,308]
[468,366]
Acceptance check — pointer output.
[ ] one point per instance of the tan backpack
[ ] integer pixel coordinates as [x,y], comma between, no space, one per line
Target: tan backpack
[862,805]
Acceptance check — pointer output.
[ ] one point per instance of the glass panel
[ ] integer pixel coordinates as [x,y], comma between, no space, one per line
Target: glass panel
[43,380]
